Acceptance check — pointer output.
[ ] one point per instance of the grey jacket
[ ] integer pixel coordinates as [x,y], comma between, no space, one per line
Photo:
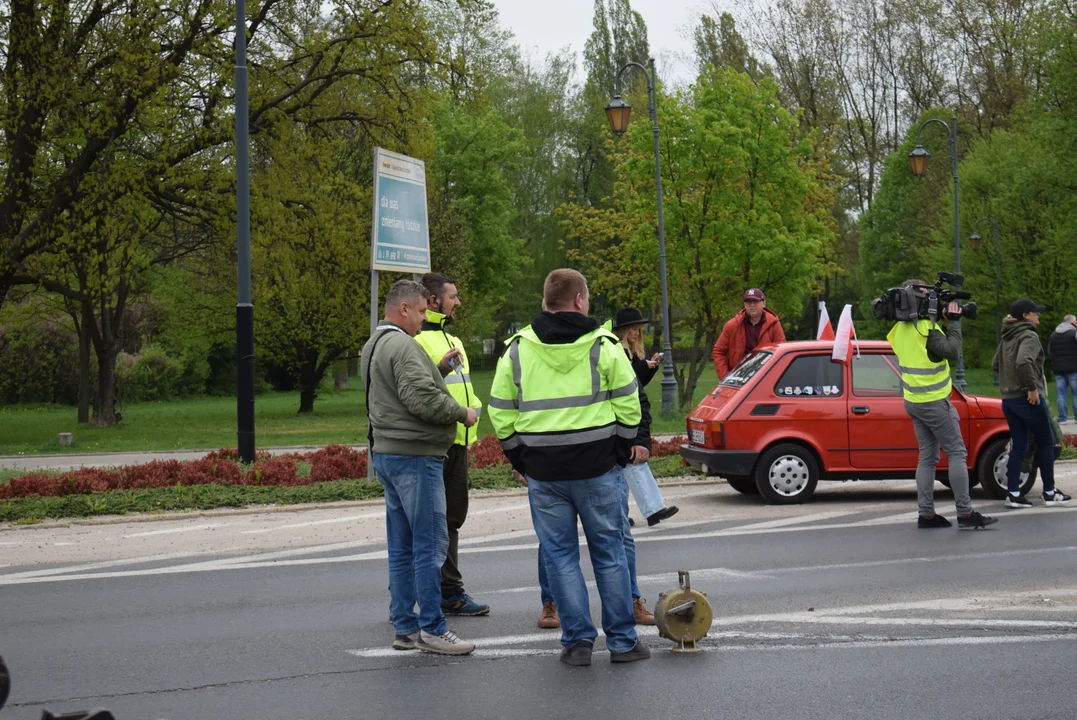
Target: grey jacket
[1019,360]
[411,410]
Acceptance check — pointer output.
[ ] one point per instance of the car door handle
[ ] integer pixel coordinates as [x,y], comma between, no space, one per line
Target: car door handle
[861,410]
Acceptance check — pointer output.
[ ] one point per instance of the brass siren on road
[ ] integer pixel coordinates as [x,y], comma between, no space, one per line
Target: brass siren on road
[683,615]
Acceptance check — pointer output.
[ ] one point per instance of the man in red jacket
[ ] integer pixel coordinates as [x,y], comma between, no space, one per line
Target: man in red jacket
[753,326]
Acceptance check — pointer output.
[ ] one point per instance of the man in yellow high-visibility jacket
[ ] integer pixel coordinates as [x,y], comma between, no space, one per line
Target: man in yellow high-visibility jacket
[565,406]
[924,355]
[448,354]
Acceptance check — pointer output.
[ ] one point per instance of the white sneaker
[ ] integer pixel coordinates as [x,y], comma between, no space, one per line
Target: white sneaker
[447,644]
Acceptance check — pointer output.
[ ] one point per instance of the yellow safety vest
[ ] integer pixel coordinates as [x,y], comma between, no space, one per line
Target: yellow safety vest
[437,342]
[922,379]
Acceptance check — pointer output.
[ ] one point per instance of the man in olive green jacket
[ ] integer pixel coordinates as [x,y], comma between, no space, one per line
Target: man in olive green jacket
[1019,364]
[412,421]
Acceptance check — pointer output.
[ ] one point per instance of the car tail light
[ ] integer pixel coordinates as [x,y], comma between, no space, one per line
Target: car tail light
[708,433]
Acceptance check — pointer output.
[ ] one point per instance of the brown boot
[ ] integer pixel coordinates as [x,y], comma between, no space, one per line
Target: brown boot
[549,619]
[643,615]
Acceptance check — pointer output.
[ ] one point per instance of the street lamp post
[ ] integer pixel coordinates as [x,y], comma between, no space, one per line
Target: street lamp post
[618,112]
[244,306]
[919,159]
[974,242]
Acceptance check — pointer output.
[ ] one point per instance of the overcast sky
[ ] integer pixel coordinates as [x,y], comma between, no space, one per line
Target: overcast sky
[547,26]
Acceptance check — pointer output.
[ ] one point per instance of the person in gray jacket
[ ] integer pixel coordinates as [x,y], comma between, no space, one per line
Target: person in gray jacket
[412,424]
[1019,364]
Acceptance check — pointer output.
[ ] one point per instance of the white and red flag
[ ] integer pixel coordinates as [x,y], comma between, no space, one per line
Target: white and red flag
[844,335]
[825,330]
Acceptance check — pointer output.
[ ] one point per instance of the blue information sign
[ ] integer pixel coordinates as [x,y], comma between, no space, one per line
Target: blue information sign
[400,238]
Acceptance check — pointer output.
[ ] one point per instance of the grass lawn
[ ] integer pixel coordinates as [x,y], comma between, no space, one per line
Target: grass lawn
[210,423]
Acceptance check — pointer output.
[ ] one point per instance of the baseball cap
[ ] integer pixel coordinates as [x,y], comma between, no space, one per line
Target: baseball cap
[1024,305]
[757,294]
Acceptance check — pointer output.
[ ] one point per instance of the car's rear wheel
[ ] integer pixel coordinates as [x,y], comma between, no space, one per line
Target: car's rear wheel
[786,475]
[991,469]
[743,484]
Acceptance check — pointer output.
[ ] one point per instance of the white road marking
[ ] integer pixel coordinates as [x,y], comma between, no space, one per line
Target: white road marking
[827,642]
[795,520]
[363,516]
[926,559]
[85,567]
[172,531]
[312,523]
[289,557]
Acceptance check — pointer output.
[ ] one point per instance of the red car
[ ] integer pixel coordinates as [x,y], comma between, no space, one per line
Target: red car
[788,416]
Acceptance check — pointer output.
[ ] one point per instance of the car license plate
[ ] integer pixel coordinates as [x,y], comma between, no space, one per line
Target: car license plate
[698,437]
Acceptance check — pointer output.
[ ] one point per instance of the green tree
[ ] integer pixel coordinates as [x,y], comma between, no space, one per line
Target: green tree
[475,149]
[119,125]
[310,258]
[740,211]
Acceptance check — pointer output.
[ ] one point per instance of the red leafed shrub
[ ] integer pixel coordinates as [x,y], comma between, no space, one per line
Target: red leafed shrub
[337,462]
[207,471]
[77,482]
[486,453]
[275,471]
[154,474]
[665,448]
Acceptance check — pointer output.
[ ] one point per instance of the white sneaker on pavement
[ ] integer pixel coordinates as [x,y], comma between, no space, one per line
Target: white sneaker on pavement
[447,644]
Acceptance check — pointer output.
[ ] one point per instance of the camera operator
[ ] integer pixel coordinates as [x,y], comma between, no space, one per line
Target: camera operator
[924,354]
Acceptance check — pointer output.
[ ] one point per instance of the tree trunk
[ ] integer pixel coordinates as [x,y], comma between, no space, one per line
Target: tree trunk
[84,369]
[340,375]
[104,411]
[306,399]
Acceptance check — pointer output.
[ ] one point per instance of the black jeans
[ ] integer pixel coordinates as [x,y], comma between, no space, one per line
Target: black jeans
[456,487]
[1026,419]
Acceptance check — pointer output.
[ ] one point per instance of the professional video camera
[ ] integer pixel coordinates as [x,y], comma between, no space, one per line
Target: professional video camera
[922,302]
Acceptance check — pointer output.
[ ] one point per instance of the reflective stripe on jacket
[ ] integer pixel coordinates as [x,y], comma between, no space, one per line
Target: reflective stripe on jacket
[922,379]
[565,411]
[436,342]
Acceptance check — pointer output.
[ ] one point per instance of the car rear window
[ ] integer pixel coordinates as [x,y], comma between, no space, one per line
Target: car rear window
[746,369]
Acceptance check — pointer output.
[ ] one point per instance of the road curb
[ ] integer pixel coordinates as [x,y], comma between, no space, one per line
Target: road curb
[268,509]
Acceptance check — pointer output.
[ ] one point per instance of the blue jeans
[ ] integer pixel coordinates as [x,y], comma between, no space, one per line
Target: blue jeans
[418,539]
[1062,382]
[644,489]
[596,502]
[1026,419]
[630,555]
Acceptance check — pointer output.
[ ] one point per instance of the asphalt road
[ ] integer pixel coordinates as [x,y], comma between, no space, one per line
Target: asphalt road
[841,608]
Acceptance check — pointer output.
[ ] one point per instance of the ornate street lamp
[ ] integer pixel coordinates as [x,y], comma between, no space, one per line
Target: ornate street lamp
[919,160]
[618,112]
[975,241]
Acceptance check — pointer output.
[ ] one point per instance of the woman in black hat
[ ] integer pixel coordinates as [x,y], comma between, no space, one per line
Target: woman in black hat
[628,326]
[1019,364]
